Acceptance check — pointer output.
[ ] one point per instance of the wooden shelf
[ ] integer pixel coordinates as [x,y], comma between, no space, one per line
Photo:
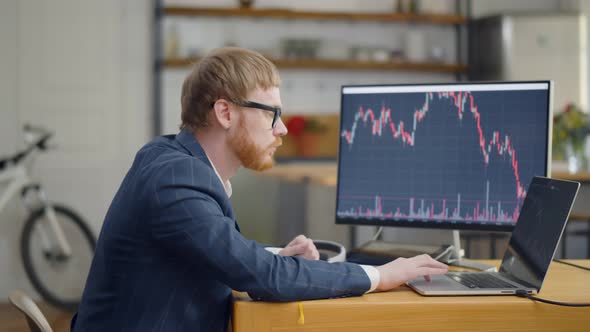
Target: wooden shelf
[309,15]
[343,64]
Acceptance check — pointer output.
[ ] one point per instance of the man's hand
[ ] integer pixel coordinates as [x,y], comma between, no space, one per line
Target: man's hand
[301,246]
[401,270]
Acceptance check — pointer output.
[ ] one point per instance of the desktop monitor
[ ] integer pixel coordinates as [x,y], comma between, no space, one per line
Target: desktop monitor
[455,156]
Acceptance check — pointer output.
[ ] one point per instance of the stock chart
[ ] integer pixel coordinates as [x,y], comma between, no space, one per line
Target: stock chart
[442,156]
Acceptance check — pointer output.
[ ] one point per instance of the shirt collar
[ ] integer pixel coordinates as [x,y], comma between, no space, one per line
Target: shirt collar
[190,143]
[226,184]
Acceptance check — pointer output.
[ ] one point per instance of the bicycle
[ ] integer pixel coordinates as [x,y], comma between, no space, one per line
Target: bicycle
[56,244]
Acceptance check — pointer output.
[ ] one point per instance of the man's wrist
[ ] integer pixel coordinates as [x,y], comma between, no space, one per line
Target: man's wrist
[374,276]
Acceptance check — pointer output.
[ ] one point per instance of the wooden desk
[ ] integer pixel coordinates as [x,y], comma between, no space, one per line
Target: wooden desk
[402,310]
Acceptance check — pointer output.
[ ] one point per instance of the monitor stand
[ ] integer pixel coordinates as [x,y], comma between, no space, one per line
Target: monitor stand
[450,254]
[457,254]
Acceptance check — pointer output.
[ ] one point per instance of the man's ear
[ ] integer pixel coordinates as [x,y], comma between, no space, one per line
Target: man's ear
[222,113]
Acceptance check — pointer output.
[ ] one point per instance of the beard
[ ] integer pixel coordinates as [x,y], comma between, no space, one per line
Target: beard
[251,155]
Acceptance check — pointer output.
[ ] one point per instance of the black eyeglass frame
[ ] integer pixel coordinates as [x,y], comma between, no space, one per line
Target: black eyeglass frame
[277,111]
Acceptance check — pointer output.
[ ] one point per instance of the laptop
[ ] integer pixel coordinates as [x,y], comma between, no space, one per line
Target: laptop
[541,222]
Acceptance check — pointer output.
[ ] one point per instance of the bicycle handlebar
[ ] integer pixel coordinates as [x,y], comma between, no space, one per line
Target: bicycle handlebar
[40,142]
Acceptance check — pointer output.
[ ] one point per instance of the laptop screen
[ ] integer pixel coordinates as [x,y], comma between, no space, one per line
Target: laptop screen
[540,224]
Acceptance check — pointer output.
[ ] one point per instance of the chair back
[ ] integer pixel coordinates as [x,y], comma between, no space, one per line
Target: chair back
[35,318]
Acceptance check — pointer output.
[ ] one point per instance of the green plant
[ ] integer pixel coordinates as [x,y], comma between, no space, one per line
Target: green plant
[570,127]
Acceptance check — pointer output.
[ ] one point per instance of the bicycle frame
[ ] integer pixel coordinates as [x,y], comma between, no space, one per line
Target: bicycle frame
[16,177]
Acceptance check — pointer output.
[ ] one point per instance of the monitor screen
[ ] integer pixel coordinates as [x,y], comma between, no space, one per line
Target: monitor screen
[457,156]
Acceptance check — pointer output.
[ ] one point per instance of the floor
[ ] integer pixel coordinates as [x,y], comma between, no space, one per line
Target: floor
[12,320]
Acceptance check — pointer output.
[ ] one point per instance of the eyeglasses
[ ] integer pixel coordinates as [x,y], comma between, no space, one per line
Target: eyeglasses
[276,110]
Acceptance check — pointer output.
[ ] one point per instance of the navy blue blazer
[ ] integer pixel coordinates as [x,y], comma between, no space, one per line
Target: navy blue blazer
[170,251]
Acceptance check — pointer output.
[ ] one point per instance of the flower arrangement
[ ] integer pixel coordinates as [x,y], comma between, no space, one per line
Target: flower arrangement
[305,132]
[570,130]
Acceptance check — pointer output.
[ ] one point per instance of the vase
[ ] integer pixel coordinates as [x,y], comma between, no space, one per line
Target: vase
[246,3]
[307,145]
[576,156]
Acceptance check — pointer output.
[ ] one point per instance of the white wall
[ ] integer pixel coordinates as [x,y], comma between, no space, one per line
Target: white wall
[8,103]
[83,70]
[10,219]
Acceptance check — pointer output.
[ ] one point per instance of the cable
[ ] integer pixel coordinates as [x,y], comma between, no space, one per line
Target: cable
[376,236]
[571,264]
[525,294]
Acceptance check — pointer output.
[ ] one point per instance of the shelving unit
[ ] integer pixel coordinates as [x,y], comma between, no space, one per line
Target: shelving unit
[308,15]
[326,16]
[457,21]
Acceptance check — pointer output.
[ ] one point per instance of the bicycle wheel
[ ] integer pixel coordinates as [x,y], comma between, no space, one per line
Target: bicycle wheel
[59,280]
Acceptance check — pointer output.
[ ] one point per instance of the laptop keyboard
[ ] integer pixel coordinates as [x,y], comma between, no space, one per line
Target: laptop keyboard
[480,280]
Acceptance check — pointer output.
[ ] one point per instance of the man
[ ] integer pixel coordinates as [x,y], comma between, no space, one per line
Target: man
[170,250]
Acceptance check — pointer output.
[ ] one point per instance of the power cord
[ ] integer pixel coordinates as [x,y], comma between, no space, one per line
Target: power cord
[525,294]
[571,264]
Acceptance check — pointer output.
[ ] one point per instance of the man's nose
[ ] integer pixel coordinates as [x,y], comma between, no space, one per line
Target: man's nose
[280,128]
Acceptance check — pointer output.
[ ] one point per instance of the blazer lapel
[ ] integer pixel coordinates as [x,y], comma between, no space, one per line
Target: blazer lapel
[188,141]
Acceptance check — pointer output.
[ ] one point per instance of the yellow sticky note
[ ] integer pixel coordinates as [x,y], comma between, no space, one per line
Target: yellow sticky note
[301,319]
